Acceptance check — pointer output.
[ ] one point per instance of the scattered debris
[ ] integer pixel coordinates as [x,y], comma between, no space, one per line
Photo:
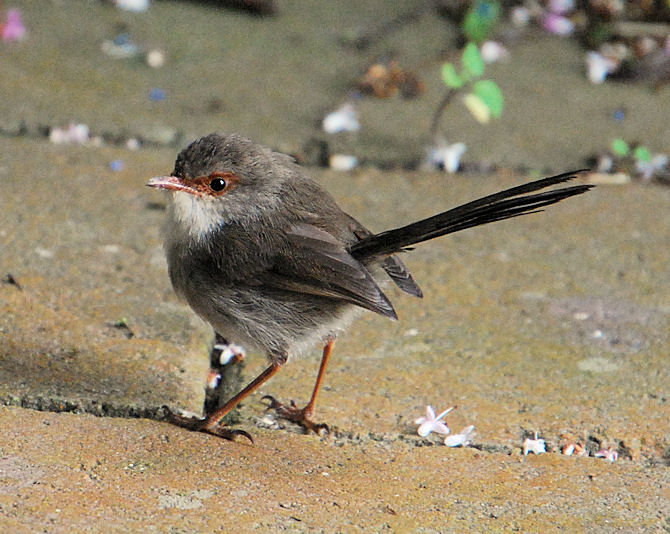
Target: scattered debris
[622,161]
[461,440]
[446,157]
[343,119]
[574,449]
[230,352]
[430,423]
[76,134]
[116,165]
[133,143]
[520,16]
[155,58]
[536,445]
[157,94]
[122,324]
[384,79]
[44,253]
[609,454]
[648,169]
[13,29]
[493,51]
[213,379]
[121,47]
[558,24]
[11,280]
[342,162]
[136,6]
[598,67]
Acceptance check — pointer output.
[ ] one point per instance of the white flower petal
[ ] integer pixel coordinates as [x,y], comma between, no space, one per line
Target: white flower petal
[445,412]
[441,428]
[536,446]
[425,429]
[462,439]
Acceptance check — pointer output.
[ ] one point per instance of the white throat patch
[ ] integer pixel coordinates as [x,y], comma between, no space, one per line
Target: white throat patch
[195,216]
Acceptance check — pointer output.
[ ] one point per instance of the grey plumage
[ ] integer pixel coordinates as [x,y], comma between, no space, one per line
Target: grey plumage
[277,264]
[266,256]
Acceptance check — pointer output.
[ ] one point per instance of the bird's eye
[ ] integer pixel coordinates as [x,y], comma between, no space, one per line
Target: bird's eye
[217,184]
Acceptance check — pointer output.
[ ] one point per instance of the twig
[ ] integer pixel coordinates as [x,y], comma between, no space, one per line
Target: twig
[444,103]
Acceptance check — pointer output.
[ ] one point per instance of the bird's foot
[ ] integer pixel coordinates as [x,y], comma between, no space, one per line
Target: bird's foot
[199,424]
[300,416]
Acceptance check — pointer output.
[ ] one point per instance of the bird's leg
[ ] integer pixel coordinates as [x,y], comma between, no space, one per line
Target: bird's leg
[212,423]
[303,416]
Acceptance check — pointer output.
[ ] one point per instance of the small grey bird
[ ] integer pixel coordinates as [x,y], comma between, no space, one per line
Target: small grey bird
[266,256]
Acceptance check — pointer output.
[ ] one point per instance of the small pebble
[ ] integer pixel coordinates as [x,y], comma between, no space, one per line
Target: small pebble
[520,16]
[493,52]
[446,156]
[557,24]
[155,58]
[598,67]
[343,119]
[157,95]
[136,6]
[343,162]
[44,253]
[133,144]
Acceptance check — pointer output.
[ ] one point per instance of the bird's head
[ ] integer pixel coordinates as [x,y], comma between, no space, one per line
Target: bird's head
[221,179]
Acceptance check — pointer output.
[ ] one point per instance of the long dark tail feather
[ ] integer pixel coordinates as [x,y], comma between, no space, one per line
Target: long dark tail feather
[503,205]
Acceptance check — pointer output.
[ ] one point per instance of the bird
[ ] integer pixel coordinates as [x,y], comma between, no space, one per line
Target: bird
[264,254]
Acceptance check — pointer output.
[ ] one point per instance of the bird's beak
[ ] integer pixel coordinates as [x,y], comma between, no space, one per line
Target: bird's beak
[171,183]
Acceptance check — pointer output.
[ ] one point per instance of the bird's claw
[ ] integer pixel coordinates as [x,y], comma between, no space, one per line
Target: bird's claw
[190,422]
[230,434]
[199,424]
[292,413]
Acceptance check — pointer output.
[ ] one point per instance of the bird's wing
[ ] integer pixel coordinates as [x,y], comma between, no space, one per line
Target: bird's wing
[319,264]
[392,265]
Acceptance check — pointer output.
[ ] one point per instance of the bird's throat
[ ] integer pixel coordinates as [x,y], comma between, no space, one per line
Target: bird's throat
[195,216]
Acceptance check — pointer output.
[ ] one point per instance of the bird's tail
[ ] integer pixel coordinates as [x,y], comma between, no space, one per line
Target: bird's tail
[503,205]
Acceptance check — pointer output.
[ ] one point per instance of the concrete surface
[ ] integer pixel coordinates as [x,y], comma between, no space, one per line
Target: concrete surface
[554,323]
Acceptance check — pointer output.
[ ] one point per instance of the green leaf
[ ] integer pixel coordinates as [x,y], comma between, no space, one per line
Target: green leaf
[450,77]
[491,95]
[480,19]
[472,60]
[642,153]
[620,147]
[480,111]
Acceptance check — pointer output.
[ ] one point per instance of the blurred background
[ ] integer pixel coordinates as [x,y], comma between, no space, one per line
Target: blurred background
[578,82]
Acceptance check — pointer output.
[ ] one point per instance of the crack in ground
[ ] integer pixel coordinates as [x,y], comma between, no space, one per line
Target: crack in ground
[336,436]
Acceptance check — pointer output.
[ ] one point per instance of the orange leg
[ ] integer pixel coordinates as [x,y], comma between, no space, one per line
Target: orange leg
[212,423]
[304,416]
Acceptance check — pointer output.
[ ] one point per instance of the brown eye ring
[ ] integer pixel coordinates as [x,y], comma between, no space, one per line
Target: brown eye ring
[218,183]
